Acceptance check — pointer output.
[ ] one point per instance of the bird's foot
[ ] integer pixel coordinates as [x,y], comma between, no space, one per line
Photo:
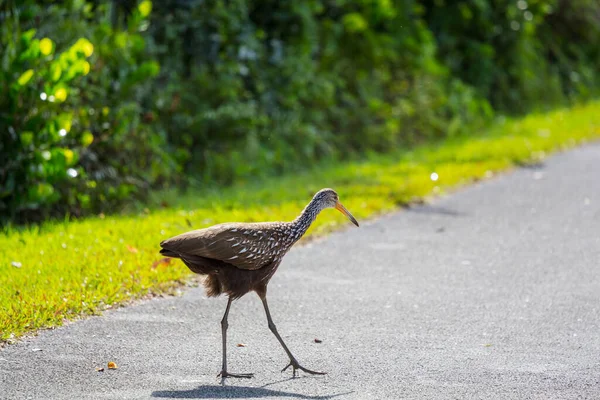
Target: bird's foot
[295,365]
[225,374]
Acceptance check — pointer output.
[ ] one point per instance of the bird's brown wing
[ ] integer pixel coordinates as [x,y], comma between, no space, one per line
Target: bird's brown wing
[246,246]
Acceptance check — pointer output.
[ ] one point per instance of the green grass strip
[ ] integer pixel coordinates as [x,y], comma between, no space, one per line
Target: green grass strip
[63,270]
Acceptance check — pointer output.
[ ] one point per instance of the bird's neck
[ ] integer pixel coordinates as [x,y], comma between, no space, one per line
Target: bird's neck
[305,219]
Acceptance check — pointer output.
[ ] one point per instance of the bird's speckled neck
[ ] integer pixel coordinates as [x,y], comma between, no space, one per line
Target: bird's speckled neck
[305,219]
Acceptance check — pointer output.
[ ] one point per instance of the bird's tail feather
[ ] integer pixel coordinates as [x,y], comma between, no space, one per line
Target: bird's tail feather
[202,266]
[169,253]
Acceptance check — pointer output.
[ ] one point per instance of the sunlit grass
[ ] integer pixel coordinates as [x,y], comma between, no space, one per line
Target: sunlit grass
[64,270]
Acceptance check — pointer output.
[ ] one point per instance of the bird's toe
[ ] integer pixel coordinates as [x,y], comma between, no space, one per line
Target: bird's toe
[225,374]
[295,366]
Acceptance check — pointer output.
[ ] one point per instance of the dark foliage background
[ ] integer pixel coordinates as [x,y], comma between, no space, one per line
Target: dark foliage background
[101,101]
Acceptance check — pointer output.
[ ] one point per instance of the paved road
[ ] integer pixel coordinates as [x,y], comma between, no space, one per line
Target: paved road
[492,292]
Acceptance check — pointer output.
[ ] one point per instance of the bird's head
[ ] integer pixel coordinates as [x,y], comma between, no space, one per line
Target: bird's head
[328,198]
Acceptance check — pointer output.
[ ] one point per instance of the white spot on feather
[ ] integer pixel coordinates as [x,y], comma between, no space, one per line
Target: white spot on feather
[243,250]
[232,258]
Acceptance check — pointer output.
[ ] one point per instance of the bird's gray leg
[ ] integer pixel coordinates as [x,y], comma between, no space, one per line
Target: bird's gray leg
[293,362]
[224,325]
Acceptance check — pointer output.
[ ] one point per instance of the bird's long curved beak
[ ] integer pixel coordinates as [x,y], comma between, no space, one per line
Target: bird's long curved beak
[343,210]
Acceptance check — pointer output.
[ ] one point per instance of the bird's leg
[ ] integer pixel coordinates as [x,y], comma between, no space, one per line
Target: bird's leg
[224,374]
[293,362]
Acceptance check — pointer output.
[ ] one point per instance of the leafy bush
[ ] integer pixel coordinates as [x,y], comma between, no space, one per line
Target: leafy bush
[264,87]
[76,140]
[229,90]
[569,36]
[519,54]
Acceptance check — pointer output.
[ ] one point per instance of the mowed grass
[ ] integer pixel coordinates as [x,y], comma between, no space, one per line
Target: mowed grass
[64,270]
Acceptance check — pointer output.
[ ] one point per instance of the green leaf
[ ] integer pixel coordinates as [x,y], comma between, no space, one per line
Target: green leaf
[151,68]
[46,46]
[354,22]
[60,94]
[145,8]
[42,191]
[32,52]
[84,46]
[64,121]
[26,138]
[69,156]
[87,138]
[55,71]
[25,77]
[27,36]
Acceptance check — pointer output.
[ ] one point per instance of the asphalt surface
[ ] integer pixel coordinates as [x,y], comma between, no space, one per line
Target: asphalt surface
[491,292]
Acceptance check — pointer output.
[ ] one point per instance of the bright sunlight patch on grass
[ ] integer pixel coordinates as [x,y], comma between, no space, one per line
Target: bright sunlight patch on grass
[60,270]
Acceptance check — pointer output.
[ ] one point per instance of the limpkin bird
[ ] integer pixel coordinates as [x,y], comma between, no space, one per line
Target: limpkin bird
[237,258]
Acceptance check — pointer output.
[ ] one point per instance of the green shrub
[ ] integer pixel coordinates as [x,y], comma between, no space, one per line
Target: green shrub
[264,87]
[520,55]
[214,91]
[570,35]
[74,138]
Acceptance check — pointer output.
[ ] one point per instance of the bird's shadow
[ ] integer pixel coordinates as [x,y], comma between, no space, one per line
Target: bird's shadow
[236,392]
